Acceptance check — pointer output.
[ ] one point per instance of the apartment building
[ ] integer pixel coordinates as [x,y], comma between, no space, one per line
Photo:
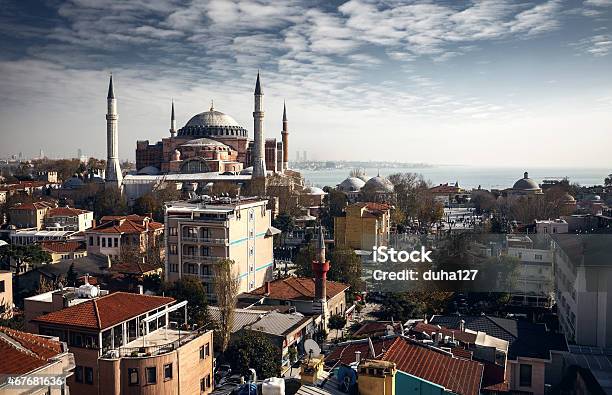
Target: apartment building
[363,226]
[6,294]
[535,284]
[38,363]
[583,275]
[117,233]
[551,226]
[68,218]
[29,215]
[125,343]
[202,233]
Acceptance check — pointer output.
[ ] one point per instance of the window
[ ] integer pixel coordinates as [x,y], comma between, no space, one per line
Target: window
[133,376]
[525,375]
[78,374]
[172,231]
[208,381]
[202,385]
[204,351]
[116,242]
[91,240]
[89,375]
[151,375]
[2,286]
[173,249]
[168,372]
[104,242]
[538,257]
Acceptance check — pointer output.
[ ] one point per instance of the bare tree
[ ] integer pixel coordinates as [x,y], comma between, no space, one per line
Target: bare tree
[226,289]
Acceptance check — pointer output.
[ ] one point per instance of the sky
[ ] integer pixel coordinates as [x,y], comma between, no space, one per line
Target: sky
[487,82]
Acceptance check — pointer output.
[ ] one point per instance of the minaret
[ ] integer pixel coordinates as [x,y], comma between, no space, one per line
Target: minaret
[172,122]
[320,267]
[113,170]
[285,136]
[259,162]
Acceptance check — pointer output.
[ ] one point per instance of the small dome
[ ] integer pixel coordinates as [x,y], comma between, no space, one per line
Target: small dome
[378,184]
[526,184]
[567,198]
[314,191]
[351,184]
[73,183]
[149,171]
[596,198]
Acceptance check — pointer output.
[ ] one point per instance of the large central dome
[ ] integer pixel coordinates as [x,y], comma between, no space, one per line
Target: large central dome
[212,123]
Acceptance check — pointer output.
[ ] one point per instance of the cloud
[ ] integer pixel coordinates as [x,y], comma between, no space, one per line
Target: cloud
[598,45]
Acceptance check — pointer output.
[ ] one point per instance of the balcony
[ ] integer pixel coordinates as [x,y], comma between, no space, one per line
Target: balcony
[202,258]
[205,240]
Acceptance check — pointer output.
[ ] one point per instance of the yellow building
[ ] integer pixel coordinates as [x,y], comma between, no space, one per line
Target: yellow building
[363,226]
[6,294]
[201,234]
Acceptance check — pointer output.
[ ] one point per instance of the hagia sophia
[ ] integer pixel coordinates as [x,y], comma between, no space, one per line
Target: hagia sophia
[211,147]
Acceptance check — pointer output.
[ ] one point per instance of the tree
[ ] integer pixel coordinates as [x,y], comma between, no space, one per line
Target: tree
[337,322]
[32,254]
[226,288]
[608,180]
[285,223]
[254,350]
[190,289]
[345,265]
[109,201]
[71,276]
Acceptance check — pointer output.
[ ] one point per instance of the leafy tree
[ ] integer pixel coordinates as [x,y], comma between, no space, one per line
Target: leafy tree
[109,201]
[254,350]
[226,288]
[71,276]
[337,322]
[608,180]
[285,223]
[190,289]
[345,266]
[32,254]
[152,282]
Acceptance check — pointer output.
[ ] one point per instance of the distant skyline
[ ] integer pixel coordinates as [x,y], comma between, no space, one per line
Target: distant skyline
[442,82]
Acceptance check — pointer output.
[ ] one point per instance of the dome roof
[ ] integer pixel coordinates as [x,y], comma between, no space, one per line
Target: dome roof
[205,142]
[596,198]
[313,191]
[351,184]
[73,183]
[378,184]
[212,123]
[567,198]
[149,171]
[526,184]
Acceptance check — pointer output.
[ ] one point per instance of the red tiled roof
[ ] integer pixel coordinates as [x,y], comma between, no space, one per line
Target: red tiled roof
[65,212]
[62,246]
[32,206]
[105,311]
[461,353]
[346,353]
[24,352]
[455,374]
[376,328]
[133,267]
[464,337]
[298,288]
[130,224]
[445,188]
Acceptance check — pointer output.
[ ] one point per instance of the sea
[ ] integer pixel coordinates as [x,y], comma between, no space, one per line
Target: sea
[469,177]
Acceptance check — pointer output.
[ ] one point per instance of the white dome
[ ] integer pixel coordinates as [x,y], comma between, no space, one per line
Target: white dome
[378,184]
[351,184]
[313,191]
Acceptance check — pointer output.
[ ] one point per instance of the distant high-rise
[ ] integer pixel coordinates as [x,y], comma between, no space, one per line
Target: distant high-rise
[79,153]
[305,157]
[297,156]
[113,170]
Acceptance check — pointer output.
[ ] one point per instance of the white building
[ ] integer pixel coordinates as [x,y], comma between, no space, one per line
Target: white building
[583,275]
[553,226]
[67,218]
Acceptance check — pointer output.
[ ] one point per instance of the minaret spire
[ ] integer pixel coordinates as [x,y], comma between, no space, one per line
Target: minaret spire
[285,138]
[172,121]
[113,170]
[320,267]
[259,158]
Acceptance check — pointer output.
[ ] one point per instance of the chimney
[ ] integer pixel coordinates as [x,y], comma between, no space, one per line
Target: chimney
[462,325]
[140,290]
[267,293]
[357,356]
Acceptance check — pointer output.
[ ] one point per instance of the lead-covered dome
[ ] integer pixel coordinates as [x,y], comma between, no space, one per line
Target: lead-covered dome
[378,184]
[526,184]
[351,184]
[212,123]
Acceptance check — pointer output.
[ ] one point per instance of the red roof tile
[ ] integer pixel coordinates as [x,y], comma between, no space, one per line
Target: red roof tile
[345,353]
[24,352]
[62,246]
[130,224]
[32,206]
[298,288]
[455,374]
[65,212]
[377,328]
[105,311]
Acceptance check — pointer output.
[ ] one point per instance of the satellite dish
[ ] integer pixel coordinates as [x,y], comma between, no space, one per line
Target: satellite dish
[311,345]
